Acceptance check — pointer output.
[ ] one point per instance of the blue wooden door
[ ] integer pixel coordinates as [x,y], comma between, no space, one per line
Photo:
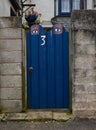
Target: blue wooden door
[47,68]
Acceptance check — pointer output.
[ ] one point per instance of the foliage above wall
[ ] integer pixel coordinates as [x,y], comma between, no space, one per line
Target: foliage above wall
[31,17]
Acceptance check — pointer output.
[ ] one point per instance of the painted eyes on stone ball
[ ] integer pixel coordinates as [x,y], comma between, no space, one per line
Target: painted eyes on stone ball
[35,32]
[57,30]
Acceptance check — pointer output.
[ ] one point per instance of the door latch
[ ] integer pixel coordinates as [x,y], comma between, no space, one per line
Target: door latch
[31,69]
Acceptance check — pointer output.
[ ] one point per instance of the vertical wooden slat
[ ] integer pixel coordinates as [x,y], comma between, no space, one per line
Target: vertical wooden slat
[42,69]
[34,74]
[66,69]
[58,69]
[50,70]
[28,37]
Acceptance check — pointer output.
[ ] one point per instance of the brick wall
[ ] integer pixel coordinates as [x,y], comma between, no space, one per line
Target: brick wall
[84,63]
[10,64]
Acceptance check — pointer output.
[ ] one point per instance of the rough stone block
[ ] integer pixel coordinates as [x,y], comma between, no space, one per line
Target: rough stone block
[11,93]
[85,61]
[11,68]
[84,97]
[80,73]
[84,73]
[85,113]
[61,116]
[91,73]
[10,81]
[91,49]
[84,105]
[11,105]
[39,115]
[10,33]
[10,56]
[85,89]
[80,89]
[32,115]
[12,44]
[10,22]
[82,38]
[85,84]
[84,20]
[85,49]
[86,80]
[91,88]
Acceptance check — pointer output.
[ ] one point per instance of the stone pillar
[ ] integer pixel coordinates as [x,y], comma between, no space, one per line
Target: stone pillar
[10,64]
[84,63]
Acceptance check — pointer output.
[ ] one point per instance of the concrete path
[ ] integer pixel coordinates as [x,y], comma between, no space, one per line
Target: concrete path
[79,124]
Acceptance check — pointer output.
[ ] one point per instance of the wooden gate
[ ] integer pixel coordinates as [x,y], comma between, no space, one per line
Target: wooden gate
[47,68]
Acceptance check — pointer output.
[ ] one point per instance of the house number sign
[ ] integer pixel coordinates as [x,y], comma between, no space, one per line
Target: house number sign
[43,38]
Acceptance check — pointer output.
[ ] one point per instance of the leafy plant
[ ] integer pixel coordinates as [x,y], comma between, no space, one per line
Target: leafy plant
[31,16]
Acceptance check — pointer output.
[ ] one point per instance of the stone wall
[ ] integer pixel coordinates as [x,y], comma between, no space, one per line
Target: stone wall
[84,63]
[10,64]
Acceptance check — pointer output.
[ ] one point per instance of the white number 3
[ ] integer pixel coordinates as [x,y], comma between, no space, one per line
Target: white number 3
[43,40]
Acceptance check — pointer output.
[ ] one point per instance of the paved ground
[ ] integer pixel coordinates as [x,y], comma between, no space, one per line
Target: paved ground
[83,124]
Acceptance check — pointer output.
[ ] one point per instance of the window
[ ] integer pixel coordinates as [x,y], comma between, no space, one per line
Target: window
[94,3]
[15,10]
[76,4]
[65,7]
